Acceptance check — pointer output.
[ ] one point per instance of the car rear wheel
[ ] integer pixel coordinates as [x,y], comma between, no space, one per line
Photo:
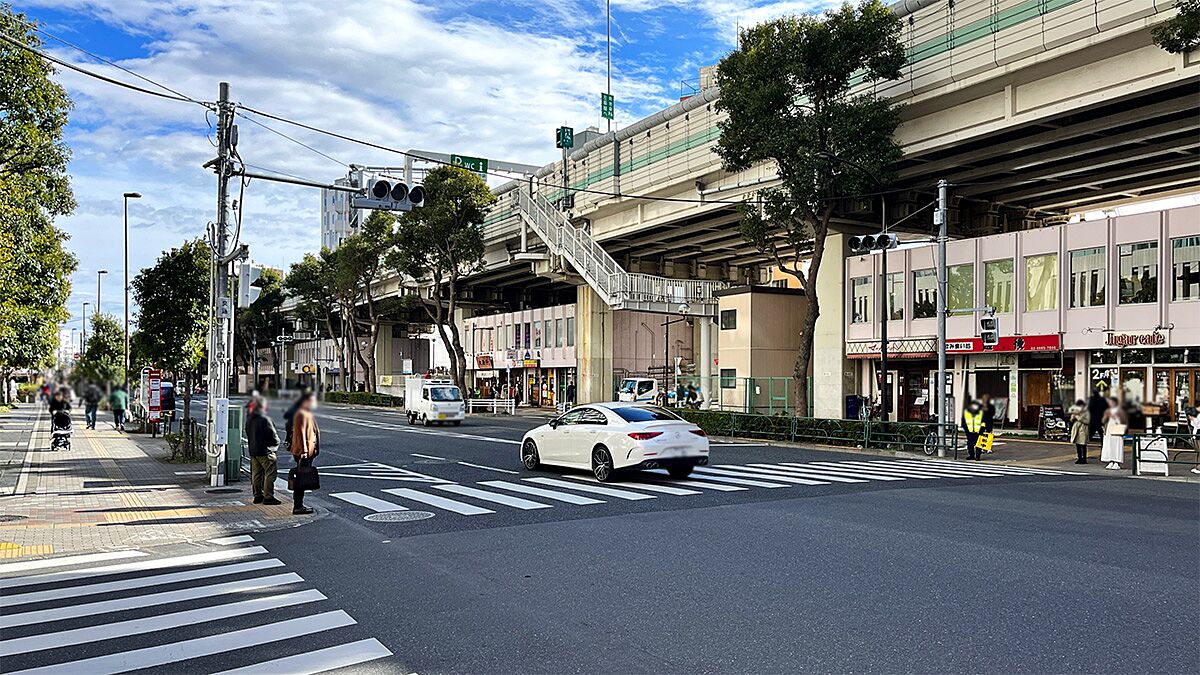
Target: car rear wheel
[602,465]
[529,456]
[680,471]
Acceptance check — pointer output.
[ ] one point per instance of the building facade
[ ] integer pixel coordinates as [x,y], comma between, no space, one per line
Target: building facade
[1107,305]
[338,219]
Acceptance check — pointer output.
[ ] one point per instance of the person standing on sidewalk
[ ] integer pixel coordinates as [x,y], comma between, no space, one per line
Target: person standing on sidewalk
[304,445]
[1113,449]
[1096,407]
[91,403]
[119,400]
[1081,422]
[972,423]
[263,442]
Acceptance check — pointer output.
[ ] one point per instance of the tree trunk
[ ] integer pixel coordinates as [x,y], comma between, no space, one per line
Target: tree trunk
[813,311]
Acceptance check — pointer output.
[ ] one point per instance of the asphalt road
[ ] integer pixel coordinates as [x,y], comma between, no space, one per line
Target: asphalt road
[877,567]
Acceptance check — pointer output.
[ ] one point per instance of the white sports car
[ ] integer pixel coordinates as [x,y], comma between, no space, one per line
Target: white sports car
[606,437]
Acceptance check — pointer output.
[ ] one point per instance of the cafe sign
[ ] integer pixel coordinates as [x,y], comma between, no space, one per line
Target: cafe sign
[1136,339]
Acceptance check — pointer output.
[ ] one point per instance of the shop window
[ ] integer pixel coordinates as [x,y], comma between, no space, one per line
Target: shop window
[960,291]
[1107,357]
[728,378]
[924,294]
[895,293]
[1041,282]
[559,336]
[528,335]
[1138,356]
[1138,265]
[728,319]
[1088,268]
[1177,355]
[860,303]
[516,336]
[1185,268]
[998,285]
[570,331]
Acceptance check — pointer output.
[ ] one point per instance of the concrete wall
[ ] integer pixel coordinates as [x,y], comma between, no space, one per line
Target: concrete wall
[763,344]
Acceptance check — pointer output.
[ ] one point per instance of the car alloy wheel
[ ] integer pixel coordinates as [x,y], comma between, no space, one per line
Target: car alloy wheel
[529,456]
[602,465]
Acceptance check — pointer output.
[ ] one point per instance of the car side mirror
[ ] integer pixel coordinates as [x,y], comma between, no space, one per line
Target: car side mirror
[554,423]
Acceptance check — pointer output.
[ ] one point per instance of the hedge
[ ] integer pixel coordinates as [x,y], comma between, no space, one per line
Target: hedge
[362,398]
[847,433]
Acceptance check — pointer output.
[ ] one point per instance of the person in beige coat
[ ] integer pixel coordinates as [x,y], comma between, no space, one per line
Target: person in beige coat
[1081,419]
[304,445]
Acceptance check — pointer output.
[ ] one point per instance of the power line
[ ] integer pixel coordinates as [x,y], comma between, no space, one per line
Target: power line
[98,76]
[302,144]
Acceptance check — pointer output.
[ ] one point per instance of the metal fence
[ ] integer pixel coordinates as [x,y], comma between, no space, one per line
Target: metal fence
[897,436]
[763,395]
[1157,453]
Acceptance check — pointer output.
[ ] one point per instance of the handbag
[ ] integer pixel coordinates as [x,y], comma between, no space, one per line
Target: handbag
[1116,429]
[304,477]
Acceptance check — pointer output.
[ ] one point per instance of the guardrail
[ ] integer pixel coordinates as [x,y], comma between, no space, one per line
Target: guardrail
[495,406]
[1156,453]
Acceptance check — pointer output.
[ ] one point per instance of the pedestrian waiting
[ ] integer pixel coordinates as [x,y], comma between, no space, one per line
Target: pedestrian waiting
[972,424]
[1112,450]
[1081,421]
[305,445]
[262,442]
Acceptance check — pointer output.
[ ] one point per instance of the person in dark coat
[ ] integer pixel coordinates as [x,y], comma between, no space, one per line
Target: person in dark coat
[989,413]
[1096,407]
[91,404]
[262,442]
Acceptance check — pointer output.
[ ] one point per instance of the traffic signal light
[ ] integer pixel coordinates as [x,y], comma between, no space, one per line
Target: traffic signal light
[989,331]
[248,273]
[865,243]
[384,195]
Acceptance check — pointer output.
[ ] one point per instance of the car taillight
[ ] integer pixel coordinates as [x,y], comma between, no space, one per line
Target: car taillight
[644,435]
[698,432]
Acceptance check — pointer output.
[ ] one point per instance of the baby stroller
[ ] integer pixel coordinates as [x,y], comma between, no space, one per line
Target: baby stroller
[60,430]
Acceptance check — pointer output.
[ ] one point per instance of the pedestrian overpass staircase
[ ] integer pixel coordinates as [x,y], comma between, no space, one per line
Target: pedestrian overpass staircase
[618,288]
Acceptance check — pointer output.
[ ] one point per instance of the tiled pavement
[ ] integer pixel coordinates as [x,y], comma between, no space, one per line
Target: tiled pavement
[113,491]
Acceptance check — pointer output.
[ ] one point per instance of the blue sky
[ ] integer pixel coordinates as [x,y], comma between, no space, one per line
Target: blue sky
[483,78]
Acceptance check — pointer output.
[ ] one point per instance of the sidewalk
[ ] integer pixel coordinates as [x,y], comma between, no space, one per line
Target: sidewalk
[113,491]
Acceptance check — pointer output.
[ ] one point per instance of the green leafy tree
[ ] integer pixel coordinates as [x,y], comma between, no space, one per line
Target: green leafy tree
[172,299]
[786,90]
[442,242]
[103,360]
[35,269]
[258,325]
[359,261]
[1181,33]
[311,283]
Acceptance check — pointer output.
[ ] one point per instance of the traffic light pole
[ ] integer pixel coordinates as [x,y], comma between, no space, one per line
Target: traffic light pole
[940,218]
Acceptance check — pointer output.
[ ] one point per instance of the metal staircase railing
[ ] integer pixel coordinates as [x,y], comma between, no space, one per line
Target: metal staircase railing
[618,288]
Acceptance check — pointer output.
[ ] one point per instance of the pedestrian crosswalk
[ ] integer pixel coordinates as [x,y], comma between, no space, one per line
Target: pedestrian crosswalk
[541,492]
[195,612]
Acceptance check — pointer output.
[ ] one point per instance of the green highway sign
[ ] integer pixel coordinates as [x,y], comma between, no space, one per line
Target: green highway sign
[606,106]
[476,164]
[564,137]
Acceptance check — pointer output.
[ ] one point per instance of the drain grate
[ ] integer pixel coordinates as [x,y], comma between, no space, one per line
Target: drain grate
[398,516]
[8,518]
[222,491]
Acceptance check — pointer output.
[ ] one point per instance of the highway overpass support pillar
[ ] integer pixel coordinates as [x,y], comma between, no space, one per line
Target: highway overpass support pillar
[593,347]
[832,373]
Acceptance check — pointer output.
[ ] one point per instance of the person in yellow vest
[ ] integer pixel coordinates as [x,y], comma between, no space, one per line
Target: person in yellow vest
[972,423]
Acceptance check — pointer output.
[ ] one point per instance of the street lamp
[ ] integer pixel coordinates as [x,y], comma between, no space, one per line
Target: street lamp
[83,335]
[98,273]
[127,196]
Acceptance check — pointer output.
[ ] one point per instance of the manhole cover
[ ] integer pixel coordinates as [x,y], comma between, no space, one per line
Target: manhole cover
[223,491]
[6,518]
[398,516]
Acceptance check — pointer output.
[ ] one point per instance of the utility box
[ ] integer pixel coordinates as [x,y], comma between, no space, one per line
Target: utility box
[235,445]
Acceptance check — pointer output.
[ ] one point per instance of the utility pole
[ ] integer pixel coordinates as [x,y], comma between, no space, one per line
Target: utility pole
[940,219]
[608,85]
[221,305]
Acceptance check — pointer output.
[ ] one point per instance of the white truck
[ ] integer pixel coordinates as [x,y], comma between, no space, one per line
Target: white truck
[430,401]
[638,390]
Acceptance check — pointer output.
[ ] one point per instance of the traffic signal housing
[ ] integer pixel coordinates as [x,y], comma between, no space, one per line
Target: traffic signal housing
[866,243]
[248,273]
[386,195]
[989,331]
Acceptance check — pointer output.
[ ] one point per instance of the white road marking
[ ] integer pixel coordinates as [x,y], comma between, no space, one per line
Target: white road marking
[69,560]
[735,481]
[900,469]
[319,661]
[490,468]
[189,473]
[140,601]
[883,470]
[719,487]
[596,489]
[775,470]
[507,500]
[648,487]
[853,473]
[149,624]
[137,582]
[975,466]
[374,503]
[439,501]
[206,646]
[426,456]
[156,563]
[750,474]
[236,539]
[541,492]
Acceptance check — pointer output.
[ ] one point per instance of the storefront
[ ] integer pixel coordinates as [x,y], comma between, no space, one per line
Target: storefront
[1142,369]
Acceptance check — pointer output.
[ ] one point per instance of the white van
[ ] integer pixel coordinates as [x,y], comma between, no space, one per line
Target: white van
[638,390]
[433,401]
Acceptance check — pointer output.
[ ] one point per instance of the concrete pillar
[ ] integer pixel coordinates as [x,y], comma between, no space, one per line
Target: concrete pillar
[832,372]
[593,347]
[705,357]
[384,360]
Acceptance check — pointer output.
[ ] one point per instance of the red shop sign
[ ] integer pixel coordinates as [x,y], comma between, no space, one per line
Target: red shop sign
[1008,343]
